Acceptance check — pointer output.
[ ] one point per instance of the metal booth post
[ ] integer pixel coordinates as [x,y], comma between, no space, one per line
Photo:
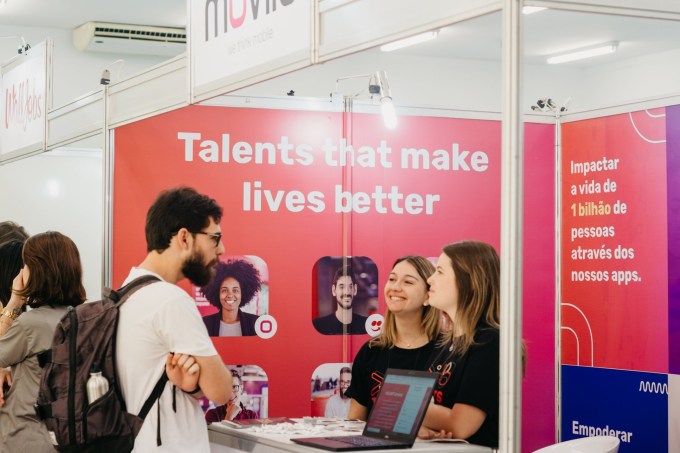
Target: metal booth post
[511,232]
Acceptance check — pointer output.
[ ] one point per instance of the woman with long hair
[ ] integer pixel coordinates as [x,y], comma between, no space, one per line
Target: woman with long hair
[466,288]
[49,283]
[407,339]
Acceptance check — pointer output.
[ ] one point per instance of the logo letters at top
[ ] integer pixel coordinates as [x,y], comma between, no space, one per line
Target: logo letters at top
[226,14]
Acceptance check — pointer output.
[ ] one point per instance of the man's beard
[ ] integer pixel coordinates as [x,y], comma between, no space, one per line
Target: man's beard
[345,305]
[342,392]
[196,271]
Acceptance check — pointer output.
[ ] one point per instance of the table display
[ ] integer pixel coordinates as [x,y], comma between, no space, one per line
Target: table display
[276,437]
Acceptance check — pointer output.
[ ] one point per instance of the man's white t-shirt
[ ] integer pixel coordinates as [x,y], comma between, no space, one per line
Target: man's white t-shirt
[336,406]
[154,321]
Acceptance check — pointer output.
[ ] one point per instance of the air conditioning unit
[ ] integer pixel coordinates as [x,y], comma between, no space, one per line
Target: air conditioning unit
[130,39]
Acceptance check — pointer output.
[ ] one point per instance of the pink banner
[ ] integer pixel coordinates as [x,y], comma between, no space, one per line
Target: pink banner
[298,187]
[614,246]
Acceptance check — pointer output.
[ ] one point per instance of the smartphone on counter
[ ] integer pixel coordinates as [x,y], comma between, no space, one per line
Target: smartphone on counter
[233,424]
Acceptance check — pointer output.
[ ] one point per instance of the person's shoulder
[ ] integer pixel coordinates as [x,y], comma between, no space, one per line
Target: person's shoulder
[38,316]
[359,321]
[487,334]
[161,290]
[372,349]
[214,316]
[324,320]
[487,337]
[248,316]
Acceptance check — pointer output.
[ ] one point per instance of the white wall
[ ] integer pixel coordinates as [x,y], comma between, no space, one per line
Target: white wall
[633,80]
[60,191]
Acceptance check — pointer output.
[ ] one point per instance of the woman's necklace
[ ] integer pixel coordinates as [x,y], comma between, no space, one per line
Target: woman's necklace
[410,344]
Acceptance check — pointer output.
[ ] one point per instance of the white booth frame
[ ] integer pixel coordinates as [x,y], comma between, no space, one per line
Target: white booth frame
[167,87]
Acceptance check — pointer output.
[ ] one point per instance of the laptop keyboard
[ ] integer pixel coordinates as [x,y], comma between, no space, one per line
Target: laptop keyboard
[361,441]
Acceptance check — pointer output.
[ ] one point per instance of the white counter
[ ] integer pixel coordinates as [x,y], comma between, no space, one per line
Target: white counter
[276,438]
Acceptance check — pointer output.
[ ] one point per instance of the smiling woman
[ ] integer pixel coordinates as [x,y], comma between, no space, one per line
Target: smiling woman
[408,336]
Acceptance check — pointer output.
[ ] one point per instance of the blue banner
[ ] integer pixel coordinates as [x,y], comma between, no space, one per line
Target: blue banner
[630,405]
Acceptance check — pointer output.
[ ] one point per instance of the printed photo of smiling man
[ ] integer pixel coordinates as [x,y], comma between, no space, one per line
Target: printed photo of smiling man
[346,294]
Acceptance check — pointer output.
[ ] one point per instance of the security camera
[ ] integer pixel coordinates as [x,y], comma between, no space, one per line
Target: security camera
[106,77]
[373,88]
[23,49]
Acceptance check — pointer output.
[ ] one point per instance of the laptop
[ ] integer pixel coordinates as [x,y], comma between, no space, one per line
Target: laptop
[395,418]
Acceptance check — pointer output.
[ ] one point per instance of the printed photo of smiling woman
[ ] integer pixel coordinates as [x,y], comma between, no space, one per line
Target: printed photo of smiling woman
[236,283]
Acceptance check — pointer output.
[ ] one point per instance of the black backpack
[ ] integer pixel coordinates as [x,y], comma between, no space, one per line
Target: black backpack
[85,341]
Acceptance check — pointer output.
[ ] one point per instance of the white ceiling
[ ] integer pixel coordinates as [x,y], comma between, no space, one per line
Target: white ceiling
[68,14]
[547,32]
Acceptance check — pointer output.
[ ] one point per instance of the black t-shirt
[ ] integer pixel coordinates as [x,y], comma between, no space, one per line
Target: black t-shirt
[370,364]
[329,325]
[473,380]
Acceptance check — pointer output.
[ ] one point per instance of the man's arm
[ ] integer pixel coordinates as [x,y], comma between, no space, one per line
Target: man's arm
[214,380]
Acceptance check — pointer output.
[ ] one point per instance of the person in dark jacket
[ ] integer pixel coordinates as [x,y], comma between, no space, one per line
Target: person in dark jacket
[235,284]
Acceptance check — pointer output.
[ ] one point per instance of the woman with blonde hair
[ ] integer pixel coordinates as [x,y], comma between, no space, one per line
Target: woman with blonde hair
[408,336]
[466,288]
[49,283]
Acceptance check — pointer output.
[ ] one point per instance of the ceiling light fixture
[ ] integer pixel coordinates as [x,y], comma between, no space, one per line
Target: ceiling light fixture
[411,40]
[386,104]
[586,52]
[377,85]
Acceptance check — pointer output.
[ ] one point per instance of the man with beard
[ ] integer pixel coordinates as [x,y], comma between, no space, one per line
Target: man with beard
[159,327]
[338,404]
[342,321]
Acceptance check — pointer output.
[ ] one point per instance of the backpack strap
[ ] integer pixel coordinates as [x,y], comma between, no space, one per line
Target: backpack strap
[124,292]
[155,396]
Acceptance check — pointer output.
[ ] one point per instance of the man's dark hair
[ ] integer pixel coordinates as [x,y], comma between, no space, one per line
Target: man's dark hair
[10,231]
[344,370]
[236,375]
[342,272]
[244,272]
[10,265]
[181,207]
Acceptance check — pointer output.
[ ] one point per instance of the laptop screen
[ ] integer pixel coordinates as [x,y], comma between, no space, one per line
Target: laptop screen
[401,404]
